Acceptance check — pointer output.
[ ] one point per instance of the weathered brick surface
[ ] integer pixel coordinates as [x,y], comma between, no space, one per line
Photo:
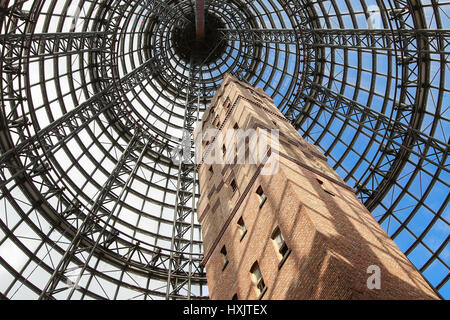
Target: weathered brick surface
[332,236]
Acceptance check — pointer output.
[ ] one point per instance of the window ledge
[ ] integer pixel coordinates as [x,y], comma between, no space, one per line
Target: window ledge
[262,293]
[262,203]
[225,265]
[243,235]
[280,265]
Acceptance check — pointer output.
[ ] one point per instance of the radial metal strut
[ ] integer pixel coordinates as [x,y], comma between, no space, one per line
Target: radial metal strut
[75,120]
[20,46]
[95,226]
[355,39]
[185,203]
[373,99]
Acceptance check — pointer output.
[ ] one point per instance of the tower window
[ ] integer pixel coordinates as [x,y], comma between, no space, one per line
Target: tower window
[217,122]
[227,103]
[235,297]
[242,228]
[211,170]
[233,185]
[280,245]
[262,196]
[225,257]
[236,127]
[258,280]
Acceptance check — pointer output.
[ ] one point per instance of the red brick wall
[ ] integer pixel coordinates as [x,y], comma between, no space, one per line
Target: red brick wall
[332,237]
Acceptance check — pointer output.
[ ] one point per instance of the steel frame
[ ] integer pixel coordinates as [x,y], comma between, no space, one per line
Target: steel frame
[116,93]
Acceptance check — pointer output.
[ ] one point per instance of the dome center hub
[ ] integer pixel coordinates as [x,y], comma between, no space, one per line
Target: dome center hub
[200,51]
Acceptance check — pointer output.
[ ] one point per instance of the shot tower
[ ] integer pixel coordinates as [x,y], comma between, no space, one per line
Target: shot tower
[296,232]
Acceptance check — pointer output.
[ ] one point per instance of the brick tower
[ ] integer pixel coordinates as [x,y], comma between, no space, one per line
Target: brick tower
[299,233]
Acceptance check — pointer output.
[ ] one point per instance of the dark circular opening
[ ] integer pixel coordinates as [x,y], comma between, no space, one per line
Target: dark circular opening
[201,51]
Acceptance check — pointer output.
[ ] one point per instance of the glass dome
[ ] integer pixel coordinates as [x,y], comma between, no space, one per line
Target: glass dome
[95,95]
